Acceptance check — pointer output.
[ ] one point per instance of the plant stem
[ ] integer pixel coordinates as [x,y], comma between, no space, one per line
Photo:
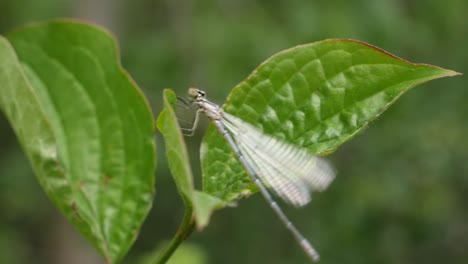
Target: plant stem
[185,229]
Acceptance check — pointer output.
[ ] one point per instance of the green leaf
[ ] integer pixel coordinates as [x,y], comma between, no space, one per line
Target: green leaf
[202,204]
[85,126]
[198,206]
[176,151]
[315,96]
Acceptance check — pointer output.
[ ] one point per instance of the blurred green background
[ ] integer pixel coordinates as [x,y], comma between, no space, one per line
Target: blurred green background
[401,195]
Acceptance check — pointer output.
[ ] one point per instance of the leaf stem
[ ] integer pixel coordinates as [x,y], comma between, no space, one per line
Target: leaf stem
[185,230]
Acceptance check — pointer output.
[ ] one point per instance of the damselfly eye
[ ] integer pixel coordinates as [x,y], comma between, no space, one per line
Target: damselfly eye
[193,92]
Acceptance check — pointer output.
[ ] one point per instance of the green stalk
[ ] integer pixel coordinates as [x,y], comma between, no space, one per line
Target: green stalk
[185,230]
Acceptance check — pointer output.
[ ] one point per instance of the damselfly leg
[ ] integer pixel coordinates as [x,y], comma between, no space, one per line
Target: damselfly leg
[181,102]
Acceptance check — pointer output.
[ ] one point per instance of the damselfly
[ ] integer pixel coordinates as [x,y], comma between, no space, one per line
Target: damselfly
[273,164]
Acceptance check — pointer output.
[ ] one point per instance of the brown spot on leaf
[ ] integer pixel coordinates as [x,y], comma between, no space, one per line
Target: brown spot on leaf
[75,210]
[107,179]
[81,186]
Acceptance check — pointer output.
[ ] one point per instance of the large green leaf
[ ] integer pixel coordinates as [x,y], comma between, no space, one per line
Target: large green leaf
[315,96]
[84,125]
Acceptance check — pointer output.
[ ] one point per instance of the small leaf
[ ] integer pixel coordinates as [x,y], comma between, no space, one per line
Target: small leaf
[85,126]
[176,151]
[315,96]
[202,204]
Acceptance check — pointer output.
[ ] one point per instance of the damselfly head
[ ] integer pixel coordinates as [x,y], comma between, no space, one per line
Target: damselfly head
[194,93]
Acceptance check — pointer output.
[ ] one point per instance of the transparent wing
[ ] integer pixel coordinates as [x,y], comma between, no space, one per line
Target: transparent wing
[289,171]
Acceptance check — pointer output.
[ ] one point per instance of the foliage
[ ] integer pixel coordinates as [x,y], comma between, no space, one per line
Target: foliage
[401,187]
[315,96]
[85,127]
